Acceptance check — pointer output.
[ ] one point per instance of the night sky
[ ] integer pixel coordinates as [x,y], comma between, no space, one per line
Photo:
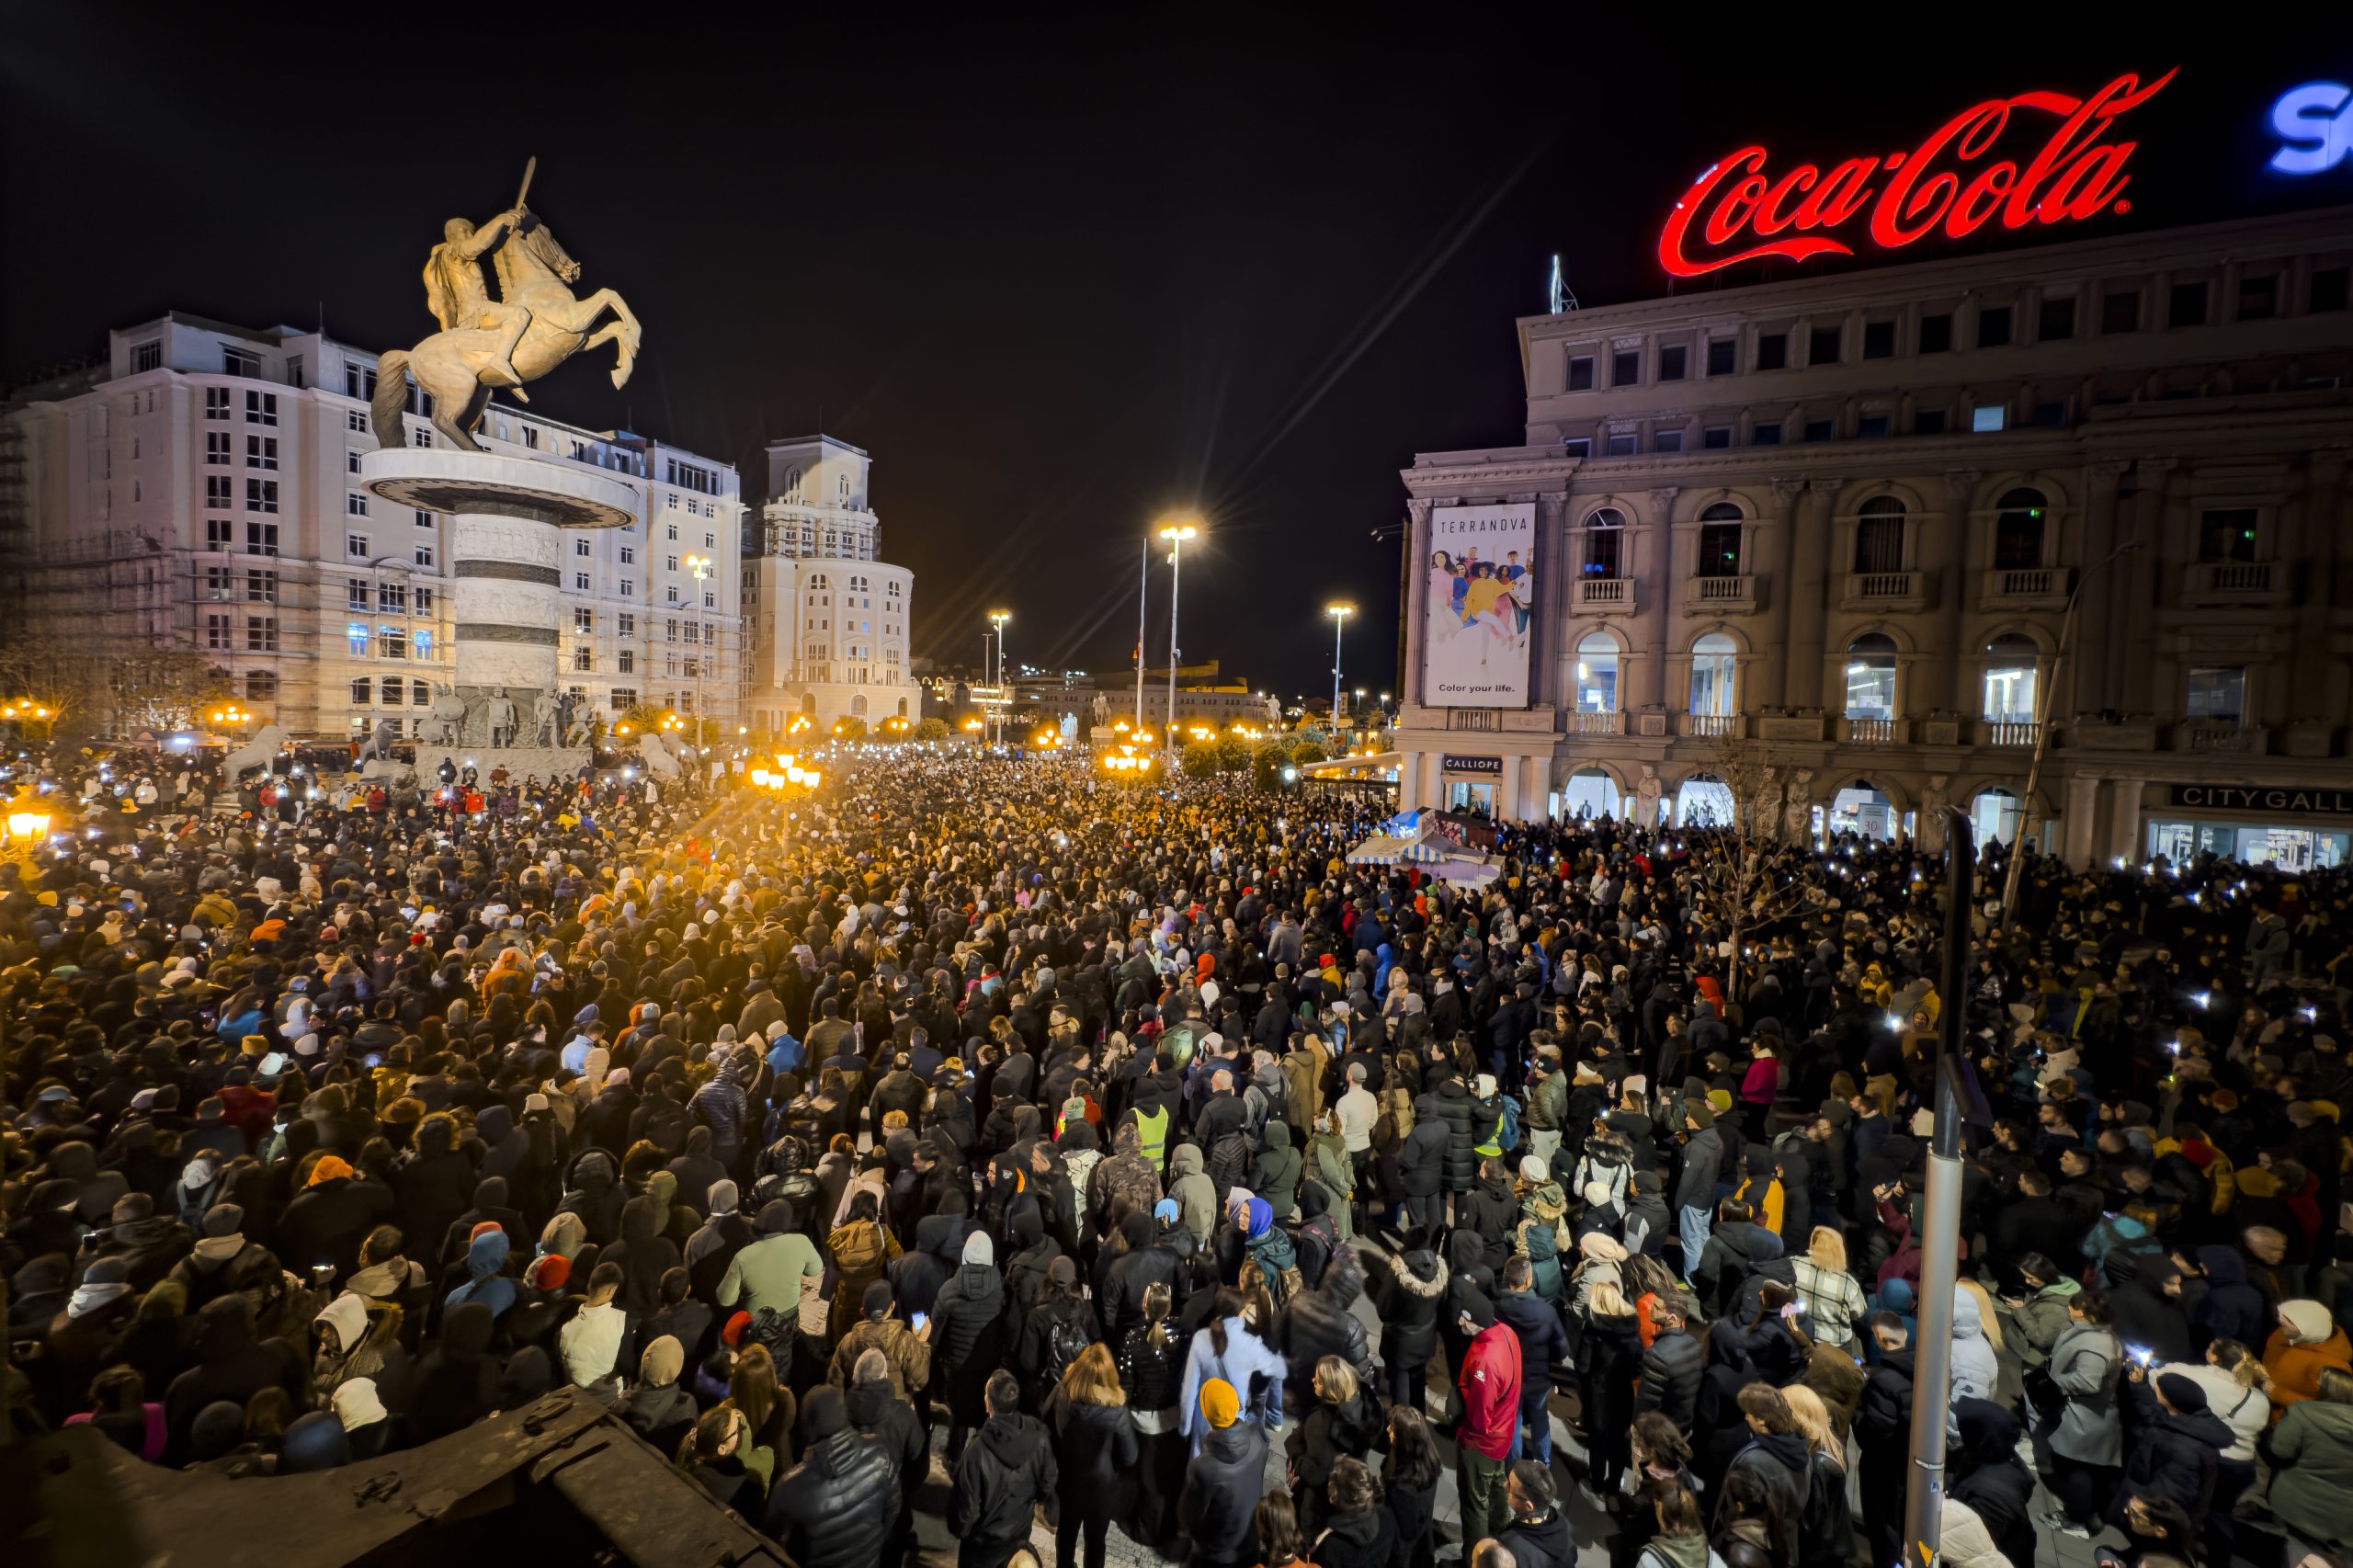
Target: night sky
[1058,276]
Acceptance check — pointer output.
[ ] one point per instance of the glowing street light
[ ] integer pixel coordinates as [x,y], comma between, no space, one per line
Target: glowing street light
[1175,534]
[1340,613]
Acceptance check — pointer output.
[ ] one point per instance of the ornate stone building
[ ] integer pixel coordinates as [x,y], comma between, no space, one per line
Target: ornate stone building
[1832,526]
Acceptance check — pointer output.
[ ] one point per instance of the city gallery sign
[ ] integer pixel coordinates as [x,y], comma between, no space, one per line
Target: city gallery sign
[1952,183]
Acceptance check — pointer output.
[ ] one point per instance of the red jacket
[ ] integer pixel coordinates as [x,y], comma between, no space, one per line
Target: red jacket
[1490,1385]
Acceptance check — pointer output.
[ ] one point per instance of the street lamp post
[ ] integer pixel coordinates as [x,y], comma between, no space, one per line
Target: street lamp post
[1175,534]
[997,617]
[1143,595]
[1339,614]
[2043,724]
[700,566]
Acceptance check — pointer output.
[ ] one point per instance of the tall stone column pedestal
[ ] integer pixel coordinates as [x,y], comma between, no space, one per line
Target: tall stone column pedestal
[506,553]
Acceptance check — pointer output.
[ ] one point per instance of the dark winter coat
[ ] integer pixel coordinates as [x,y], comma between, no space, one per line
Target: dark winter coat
[1672,1367]
[1007,1467]
[1322,1322]
[835,1508]
[2171,1458]
[1541,1541]
[1366,1538]
[231,1365]
[1455,1105]
[1410,1301]
[1095,1448]
[1543,1343]
[968,1338]
[1222,1485]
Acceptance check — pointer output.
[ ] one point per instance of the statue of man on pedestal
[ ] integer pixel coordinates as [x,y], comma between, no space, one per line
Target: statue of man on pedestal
[502,719]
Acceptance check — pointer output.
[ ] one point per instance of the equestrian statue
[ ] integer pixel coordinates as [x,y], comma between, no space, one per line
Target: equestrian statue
[534,326]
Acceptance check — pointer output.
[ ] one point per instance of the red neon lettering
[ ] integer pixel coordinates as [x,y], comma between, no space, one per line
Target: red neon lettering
[1951,181]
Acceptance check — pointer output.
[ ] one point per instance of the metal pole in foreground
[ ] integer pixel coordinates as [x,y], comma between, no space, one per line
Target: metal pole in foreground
[1940,1214]
[1144,589]
[1175,571]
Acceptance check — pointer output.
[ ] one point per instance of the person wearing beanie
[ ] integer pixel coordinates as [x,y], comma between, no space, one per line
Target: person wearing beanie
[331,1217]
[907,1349]
[971,1339]
[1224,1480]
[365,1420]
[776,1270]
[1489,1382]
[657,1409]
[2306,1340]
[2174,1446]
[1005,1473]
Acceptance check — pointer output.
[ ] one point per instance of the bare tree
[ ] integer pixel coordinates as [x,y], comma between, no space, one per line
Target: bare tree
[1742,877]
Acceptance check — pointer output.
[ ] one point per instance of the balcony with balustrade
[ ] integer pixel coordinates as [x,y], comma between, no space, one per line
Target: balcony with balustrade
[2238,584]
[1721,595]
[1874,732]
[1605,596]
[1711,726]
[2008,732]
[1580,723]
[1890,592]
[2022,588]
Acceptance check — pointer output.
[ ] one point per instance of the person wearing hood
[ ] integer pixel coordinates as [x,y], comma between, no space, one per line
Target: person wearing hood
[2311,1455]
[1421,1169]
[1490,1211]
[969,1338]
[507,1148]
[150,1245]
[365,1423]
[697,1171]
[645,1256]
[1537,1236]
[1412,1295]
[1276,1178]
[837,1507]
[1735,1245]
[714,1243]
[2087,1446]
[596,1196]
[1321,1323]
[355,1337]
[432,1182]
[232,1364]
[205,1272]
[1191,1186]
[486,1279]
[2306,1340]
[2039,1316]
[1695,1185]
[489,1207]
[2230,1308]
[1141,1262]
[1975,1366]
[917,1274]
[2144,1302]
[1224,1480]
[1004,1473]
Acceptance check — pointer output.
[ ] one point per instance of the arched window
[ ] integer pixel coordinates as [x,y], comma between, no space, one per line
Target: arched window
[1713,660]
[1587,793]
[808,702]
[1605,540]
[841,486]
[1879,535]
[1597,675]
[2009,681]
[1861,807]
[1995,815]
[902,708]
[858,707]
[1871,676]
[1720,541]
[793,485]
[1704,800]
[2017,531]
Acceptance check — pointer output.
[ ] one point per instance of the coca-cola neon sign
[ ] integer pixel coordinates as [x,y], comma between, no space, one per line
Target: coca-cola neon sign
[1949,184]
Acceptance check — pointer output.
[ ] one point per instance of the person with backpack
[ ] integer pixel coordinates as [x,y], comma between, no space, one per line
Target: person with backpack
[1059,1326]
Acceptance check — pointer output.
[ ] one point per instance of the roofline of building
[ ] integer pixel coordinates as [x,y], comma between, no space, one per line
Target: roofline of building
[2009,262]
[821,438]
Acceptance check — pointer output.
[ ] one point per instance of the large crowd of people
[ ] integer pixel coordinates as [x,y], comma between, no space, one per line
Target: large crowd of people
[1064,1157]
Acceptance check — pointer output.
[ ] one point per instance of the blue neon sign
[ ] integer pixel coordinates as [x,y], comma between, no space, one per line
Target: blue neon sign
[2315,120]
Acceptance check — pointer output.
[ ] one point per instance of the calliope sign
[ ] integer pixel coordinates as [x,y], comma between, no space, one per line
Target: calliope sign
[1952,183]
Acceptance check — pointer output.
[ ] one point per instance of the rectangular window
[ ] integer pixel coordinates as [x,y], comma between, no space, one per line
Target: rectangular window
[391,688]
[583,620]
[216,402]
[351,460]
[2056,322]
[580,546]
[1719,550]
[671,593]
[1988,417]
[363,692]
[423,519]
[583,657]
[1765,436]
[216,631]
[1622,446]
[1723,355]
[261,408]
[217,492]
[629,555]
[261,634]
[2186,304]
[1625,367]
[1929,422]
[219,533]
[1869,426]
[629,588]
[2328,288]
[220,583]
[1667,440]
[420,695]
[423,600]
[392,598]
[147,356]
[1822,345]
[1576,446]
[1772,350]
[422,555]
[2048,415]
[261,451]
[261,495]
[2259,296]
[354,420]
[239,361]
[580,581]
[2118,313]
[670,630]
[624,698]
[1936,334]
[216,447]
[261,587]
[356,546]
[355,595]
[392,641]
[421,437]
[2217,692]
[1879,340]
[625,623]
[422,641]
[625,662]
[1580,372]
[2226,533]
[1715,437]
[261,539]
[1819,429]
[294,370]
[354,505]
[1993,326]
[355,637]
[1674,362]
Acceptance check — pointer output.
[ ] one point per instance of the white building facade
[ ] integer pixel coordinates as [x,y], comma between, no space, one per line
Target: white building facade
[1831,525]
[200,490]
[830,618]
